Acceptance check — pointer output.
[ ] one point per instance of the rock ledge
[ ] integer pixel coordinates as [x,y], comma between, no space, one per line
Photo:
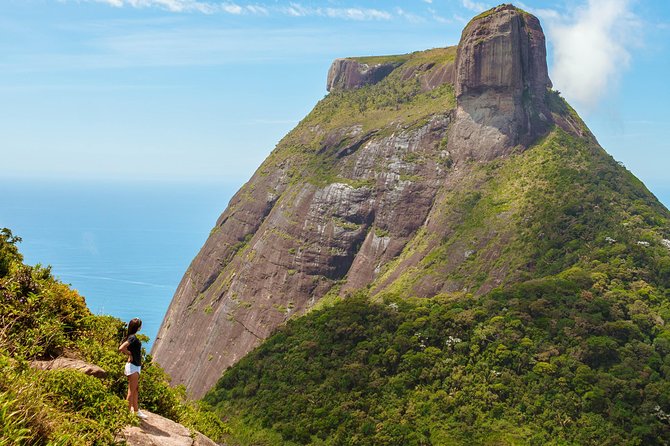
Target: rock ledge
[159,431]
[70,363]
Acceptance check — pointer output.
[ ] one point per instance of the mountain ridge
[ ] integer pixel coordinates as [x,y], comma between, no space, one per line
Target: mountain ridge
[388,184]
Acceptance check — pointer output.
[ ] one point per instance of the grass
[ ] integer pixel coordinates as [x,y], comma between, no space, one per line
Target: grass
[42,318]
[14,421]
[491,11]
[432,56]
[535,209]
[398,59]
[372,112]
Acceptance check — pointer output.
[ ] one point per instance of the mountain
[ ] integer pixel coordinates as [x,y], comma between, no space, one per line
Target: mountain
[455,175]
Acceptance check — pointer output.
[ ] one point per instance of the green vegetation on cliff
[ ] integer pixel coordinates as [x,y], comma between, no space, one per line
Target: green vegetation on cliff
[563,202]
[574,350]
[353,116]
[572,359]
[41,318]
[433,56]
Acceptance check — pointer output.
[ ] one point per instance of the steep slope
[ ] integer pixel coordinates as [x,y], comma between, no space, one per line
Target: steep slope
[442,171]
[69,401]
[575,352]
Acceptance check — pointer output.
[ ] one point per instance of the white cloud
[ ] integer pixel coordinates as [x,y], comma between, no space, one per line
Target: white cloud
[438,18]
[297,10]
[355,13]
[212,7]
[259,10]
[591,48]
[173,5]
[474,6]
[232,9]
[187,6]
[413,18]
[460,18]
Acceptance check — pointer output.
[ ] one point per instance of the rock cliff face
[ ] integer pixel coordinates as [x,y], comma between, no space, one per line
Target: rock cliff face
[501,83]
[346,74]
[366,193]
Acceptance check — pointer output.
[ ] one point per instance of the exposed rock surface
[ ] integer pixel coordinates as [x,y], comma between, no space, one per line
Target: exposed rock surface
[273,257]
[351,73]
[347,74]
[355,203]
[69,363]
[430,76]
[501,83]
[159,431]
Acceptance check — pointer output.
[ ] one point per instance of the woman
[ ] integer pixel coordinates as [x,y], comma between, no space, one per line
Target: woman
[132,347]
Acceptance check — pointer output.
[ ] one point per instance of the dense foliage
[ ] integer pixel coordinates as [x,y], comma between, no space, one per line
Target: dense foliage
[576,358]
[41,318]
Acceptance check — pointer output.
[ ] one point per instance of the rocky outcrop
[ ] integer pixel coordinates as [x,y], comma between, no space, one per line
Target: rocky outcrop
[347,74]
[429,75]
[361,192]
[501,83]
[159,431]
[72,364]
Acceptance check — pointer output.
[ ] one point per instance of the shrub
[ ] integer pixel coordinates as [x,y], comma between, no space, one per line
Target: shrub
[13,422]
[75,392]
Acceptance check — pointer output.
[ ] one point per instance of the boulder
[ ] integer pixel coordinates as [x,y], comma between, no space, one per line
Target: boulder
[160,431]
[70,363]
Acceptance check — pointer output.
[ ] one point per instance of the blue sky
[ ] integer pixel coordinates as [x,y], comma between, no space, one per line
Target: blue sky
[192,90]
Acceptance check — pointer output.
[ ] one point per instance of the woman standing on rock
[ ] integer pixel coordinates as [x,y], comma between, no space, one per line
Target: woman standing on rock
[132,347]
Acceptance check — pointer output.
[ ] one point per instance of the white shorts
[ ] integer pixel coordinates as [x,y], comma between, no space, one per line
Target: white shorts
[131,368]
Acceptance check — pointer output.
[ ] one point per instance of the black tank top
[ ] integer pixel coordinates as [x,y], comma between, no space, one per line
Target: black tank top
[135,348]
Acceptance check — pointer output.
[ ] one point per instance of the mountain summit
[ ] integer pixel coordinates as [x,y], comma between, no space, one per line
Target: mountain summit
[447,172]
[501,83]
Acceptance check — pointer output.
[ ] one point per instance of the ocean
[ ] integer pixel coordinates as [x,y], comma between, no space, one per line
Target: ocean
[123,246]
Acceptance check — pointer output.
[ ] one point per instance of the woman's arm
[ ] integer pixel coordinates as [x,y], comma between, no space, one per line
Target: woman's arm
[123,348]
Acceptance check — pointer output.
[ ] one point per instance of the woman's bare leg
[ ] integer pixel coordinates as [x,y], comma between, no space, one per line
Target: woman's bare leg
[133,388]
[129,396]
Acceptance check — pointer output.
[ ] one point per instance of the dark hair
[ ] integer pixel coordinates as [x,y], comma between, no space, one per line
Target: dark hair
[133,326]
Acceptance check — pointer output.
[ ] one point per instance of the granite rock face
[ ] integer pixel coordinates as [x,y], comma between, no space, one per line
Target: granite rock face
[360,192]
[501,83]
[279,248]
[347,74]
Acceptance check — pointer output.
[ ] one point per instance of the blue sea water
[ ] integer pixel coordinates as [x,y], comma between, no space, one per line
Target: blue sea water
[123,246]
